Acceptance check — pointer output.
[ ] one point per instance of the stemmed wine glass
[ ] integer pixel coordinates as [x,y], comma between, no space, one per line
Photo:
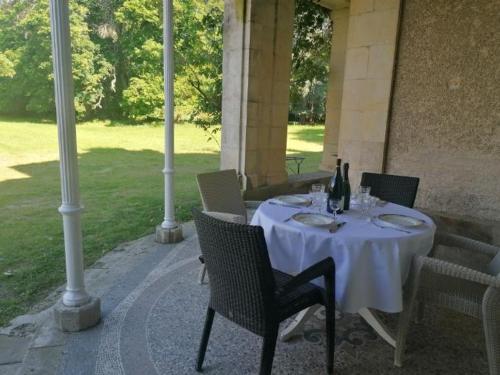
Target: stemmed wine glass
[334,206]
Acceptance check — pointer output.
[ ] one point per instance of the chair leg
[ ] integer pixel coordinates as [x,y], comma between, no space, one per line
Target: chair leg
[266,361]
[204,338]
[491,324]
[201,275]
[419,316]
[410,299]
[403,326]
[330,336]
[330,324]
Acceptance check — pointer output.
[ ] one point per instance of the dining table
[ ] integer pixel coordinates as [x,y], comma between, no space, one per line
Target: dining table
[372,260]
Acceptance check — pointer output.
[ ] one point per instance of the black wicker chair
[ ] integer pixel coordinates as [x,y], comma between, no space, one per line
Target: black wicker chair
[246,290]
[396,189]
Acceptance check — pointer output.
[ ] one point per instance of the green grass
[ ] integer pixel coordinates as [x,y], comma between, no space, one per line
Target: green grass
[121,188]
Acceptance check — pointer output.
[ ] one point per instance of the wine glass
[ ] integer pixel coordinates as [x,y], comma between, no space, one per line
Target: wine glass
[334,207]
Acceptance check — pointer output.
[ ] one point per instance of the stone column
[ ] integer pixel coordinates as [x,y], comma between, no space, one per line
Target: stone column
[76,310]
[257,62]
[169,231]
[371,44]
[340,19]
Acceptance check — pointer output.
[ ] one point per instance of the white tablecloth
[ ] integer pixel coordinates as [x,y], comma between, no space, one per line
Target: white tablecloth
[371,263]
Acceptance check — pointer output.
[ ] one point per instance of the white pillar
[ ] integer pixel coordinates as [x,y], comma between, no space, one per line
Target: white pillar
[169,230]
[75,295]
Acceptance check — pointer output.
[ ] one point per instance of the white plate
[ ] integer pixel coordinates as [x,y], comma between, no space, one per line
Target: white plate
[400,221]
[296,200]
[313,220]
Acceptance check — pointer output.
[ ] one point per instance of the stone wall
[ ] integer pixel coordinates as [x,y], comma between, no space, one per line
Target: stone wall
[340,19]
[445,116]
[256,82]
[371,40]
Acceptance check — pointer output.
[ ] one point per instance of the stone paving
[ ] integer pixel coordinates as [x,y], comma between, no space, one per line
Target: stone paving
[32,344]
[153,313]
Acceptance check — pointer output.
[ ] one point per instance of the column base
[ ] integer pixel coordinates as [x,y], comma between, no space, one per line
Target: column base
[168,235]
[74,319]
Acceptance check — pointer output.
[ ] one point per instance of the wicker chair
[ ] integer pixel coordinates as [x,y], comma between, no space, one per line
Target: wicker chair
[246,290]
[396,189]
[465,288]
[220,192]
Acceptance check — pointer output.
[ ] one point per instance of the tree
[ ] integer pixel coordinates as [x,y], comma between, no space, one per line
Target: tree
[118,59]
[310,61]
[198,59]
[6,66]
[26,49]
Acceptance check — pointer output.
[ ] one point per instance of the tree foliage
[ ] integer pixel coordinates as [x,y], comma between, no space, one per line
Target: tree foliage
[117,51]
[27,79]
[310,61]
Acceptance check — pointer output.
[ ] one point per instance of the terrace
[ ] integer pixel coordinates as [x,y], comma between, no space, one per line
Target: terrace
[413,91]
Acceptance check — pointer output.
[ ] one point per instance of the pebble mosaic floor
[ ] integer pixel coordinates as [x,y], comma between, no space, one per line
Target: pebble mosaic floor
[153,321]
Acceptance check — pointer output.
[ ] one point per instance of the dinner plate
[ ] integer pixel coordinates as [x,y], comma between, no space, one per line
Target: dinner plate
[296,200]
[313,220]
[400,221]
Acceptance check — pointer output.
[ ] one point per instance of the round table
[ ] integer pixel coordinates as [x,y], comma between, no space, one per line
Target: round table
[372,263]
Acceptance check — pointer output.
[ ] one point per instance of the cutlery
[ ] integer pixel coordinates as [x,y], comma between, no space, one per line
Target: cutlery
[284,205]
[335,227]
[384,227]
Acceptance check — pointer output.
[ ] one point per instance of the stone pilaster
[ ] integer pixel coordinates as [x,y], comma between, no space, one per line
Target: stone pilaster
[340,19]
[371,43]
[257,63]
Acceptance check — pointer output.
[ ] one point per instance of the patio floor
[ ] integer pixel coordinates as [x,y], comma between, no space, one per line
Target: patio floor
[153,316]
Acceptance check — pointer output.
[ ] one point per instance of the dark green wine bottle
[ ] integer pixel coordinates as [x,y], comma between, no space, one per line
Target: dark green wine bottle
[336,189]
[347,188]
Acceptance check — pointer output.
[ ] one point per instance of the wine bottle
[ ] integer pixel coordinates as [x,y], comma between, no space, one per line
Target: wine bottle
[336,190]
[347,188]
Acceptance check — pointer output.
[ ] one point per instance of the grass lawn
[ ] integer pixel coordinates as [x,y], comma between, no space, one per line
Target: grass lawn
[121,188]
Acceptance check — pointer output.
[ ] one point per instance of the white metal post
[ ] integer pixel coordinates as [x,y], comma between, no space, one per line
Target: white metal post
[169,230]
[168,69]
[75,294]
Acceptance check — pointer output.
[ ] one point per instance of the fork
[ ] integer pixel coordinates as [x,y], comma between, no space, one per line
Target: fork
[284,205]
[383,227]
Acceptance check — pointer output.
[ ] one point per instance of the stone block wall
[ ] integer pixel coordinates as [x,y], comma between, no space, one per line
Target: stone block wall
[257,63]
[340,19]
[445,121]
[369,63]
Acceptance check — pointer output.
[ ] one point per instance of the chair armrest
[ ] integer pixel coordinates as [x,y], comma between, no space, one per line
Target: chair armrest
[325,268]
[252,204]
[453,240]
[454,270]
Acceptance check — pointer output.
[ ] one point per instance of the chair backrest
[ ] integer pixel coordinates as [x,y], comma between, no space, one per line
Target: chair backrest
[396,189]
[242,284]
[220,192]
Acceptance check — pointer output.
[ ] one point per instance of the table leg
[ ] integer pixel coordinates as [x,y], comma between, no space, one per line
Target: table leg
[369,315]
[295,327]
[374,321]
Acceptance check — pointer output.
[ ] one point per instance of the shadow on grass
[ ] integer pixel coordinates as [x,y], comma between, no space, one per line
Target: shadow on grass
[37,119]
[122,192]
[129,122]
